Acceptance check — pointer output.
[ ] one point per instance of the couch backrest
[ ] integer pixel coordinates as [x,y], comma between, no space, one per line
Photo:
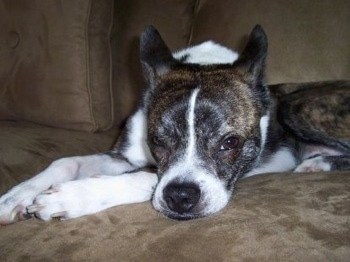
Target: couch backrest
[309,40]
[55,63]
[74,64]
[173,19]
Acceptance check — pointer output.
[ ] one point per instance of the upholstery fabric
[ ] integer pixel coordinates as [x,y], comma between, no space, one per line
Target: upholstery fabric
[56,63]
[308,40]
[26,148]
[271,218]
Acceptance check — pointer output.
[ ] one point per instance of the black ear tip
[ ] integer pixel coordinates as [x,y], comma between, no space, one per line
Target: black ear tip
[259,32]
[148,33]
[153,50]
[149,30]
[258,27]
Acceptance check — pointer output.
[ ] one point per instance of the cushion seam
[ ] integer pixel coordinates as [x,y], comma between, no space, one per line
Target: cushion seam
[88,67]
[111,94]
[193,20]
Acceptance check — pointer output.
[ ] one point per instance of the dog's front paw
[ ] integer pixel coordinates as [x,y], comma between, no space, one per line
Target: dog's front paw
[13,204]
[61,201]
[316,164]
[87,196]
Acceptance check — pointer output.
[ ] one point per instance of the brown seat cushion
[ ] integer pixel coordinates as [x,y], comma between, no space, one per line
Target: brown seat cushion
[28,148]
[271,218]
[56,63]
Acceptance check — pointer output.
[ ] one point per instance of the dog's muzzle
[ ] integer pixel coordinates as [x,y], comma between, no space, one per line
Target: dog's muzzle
[181,198]
[183,195]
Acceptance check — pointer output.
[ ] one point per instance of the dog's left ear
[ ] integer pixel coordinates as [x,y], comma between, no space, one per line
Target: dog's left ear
[251,63]
[156,58]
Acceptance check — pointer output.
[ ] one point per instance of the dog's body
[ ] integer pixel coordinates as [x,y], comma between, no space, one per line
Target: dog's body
[205,120]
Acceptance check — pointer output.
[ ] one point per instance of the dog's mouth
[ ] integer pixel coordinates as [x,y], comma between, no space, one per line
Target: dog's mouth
[200,211]
[181,217]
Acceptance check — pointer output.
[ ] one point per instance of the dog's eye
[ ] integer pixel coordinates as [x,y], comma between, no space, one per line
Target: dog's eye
[230,143]
[159,150]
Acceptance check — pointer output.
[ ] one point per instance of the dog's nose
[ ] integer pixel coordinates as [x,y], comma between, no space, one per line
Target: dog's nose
[181,198]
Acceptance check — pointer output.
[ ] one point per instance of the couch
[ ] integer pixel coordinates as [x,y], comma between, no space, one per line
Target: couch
[70,75]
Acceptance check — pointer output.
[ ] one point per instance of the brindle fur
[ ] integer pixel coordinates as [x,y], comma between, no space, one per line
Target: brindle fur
[317,112]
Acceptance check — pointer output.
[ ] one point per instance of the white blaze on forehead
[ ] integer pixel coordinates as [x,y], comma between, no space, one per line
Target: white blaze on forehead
[191,144]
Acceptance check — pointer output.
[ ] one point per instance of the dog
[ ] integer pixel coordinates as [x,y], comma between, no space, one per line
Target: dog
[206,119]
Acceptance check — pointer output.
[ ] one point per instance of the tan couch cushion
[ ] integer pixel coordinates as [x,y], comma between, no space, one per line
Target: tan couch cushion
[56,62]
[27,148]
[272,217]
[308,40]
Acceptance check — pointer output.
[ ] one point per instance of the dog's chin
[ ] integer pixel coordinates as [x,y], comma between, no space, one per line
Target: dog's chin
[182,217]
[197,213]
[201,210]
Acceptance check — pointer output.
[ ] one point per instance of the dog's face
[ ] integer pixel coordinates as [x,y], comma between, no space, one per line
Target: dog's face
[204,125]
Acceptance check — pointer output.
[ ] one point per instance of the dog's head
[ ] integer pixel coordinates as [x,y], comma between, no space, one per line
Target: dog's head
[205,124]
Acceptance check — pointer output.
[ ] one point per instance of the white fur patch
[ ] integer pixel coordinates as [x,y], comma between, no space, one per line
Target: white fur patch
[264,124]
[87,196]
[281,161]
[138,152]
[191,147]
[207,53]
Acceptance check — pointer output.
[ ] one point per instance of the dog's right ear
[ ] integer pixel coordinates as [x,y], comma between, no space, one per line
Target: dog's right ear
[156,58]
[251,63]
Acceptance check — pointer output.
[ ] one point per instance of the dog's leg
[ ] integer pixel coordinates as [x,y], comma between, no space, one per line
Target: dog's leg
[131,153]
[87,196]
[318,158]
[324,163]
[13,204]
